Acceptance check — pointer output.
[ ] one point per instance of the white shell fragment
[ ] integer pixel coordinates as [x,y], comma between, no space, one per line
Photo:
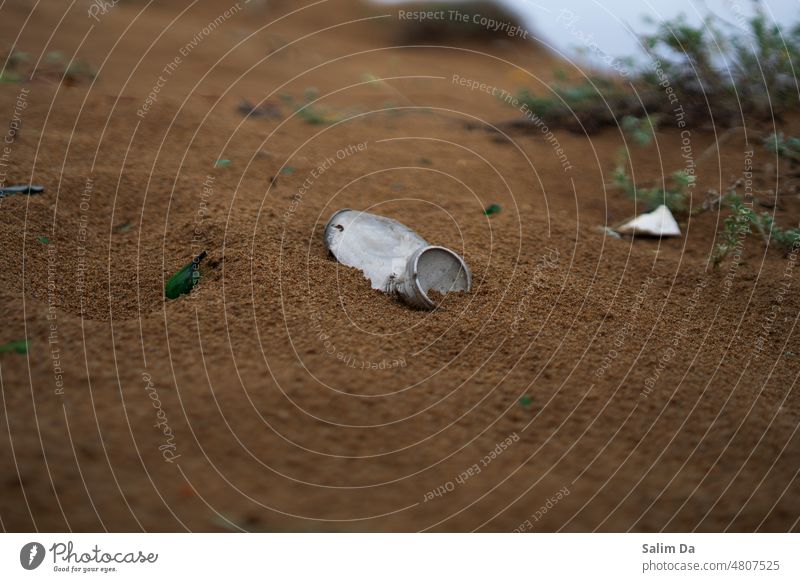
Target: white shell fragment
[394,258]
[658,223]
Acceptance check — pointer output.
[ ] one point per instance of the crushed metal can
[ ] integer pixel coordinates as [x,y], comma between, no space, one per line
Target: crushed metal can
[394,258]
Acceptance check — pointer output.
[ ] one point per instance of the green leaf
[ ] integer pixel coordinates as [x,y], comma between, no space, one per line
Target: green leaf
[287,170]
[492,209]
[43,239]
[370,78]
[54,58]
[312,115]
[124,227]
[526,401]
[184,280]
[641,130]
[10,77]
[18,347]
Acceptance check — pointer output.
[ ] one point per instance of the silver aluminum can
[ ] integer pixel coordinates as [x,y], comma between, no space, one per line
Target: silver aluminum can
[394,258]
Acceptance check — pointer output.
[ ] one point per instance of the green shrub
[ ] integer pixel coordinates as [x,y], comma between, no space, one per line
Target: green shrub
[786,148]
[743,220]
[673,194]
[714,69]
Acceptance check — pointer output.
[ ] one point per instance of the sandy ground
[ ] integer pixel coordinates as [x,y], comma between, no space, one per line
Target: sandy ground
[586,383]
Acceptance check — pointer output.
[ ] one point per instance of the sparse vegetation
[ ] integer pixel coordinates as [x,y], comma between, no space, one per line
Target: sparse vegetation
[310,113]
[714,70]
[786,148]
[54,66]
[71,72]
[743,220]
[673,193]
[15,65]
[124,227]
[77,71]
[641,130]
[588,106]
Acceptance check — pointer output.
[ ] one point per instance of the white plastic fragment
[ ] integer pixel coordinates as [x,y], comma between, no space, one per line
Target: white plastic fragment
[658,223]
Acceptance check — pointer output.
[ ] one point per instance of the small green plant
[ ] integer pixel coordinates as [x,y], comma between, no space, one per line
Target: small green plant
[72,72]
[735,228]
[79,70]
[10,77]
[743,220]
[18,59]
[787,148]
[53,66]
[124,227]
[311,114]
[370,78]
[13,71]
[673,194]
[641,129]
[587,106]
[54,58]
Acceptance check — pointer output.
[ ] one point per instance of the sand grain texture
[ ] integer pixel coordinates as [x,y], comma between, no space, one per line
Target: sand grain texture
[299,398]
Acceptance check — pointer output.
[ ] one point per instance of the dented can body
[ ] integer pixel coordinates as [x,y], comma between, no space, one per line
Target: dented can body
[394,258]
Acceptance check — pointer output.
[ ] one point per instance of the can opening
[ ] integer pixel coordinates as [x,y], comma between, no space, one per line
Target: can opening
[441,270]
